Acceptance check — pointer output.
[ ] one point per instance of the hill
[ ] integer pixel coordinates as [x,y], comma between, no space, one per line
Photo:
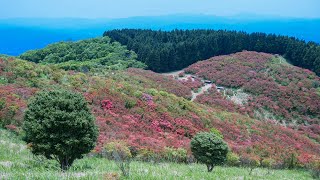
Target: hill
[153,113]
[85,55]
[165,51]
[263,86]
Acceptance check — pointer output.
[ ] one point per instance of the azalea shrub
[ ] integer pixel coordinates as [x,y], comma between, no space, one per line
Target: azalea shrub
[13,103]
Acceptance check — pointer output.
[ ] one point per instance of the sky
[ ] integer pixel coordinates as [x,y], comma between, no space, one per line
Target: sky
[129,8]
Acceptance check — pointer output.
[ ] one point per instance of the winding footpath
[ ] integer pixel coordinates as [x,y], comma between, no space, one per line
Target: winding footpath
[202,89]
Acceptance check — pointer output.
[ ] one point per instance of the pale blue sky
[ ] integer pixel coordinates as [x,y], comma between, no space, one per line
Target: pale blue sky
[127,8]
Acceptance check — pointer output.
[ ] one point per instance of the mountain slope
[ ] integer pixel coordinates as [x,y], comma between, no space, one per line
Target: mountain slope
[274,87]
[136,106]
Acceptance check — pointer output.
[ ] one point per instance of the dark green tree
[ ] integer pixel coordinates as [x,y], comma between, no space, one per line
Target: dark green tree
[209,149]
[59,125]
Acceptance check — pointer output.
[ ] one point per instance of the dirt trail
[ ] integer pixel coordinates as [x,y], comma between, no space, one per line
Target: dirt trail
[202,90]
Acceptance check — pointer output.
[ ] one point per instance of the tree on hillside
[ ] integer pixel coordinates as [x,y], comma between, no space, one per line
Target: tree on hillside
[59,125]
[209,149]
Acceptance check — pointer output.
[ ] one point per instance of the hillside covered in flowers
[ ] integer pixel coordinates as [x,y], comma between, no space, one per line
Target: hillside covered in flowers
[153,113]
[272,89]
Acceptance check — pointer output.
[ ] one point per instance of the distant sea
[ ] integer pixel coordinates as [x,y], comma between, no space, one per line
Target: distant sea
[20,35]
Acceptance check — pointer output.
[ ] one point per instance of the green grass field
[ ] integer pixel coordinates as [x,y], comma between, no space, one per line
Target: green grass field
[16,162]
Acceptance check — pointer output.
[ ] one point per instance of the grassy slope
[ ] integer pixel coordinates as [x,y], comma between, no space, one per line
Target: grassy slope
[16,162]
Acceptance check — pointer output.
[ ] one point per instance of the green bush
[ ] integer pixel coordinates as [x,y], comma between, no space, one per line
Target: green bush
[148,155]
[267,163]
[175,155]
[184,104]
[120,153]
[233,159]
[163,93]
[315,169]
[290,161]
[216,132]
[2,103]
[138,94]
[209,149]
[58,125]
[130,103]
[152,92]
[119,147]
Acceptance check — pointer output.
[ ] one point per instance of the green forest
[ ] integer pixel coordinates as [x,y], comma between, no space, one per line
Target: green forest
[165,51]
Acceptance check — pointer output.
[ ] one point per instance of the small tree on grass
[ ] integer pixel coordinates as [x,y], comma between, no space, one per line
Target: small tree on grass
[59,125]
[267,163]
[250,161]
[120,153]
[209,149]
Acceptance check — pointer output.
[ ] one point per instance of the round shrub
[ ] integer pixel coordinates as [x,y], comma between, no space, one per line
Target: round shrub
[58,125]
[209,149]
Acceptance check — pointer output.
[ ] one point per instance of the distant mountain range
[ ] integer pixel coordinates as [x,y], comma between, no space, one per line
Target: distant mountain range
[18,35]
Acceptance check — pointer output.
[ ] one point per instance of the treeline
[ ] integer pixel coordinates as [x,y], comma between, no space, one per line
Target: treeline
[85,55]
[166,51]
